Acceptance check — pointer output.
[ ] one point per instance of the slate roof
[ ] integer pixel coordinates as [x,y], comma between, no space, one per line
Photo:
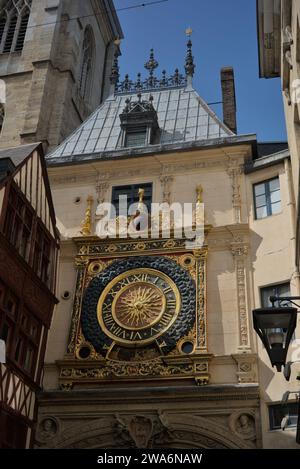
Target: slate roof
[18,154]
[269,148]
[269,157]
[182,116]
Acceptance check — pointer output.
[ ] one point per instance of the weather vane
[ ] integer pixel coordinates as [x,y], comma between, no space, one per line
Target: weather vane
[189,32]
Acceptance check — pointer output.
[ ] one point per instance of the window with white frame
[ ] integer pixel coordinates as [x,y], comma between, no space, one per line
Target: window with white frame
[279,290]
[278,412]
[267,198]
[14,17]
[86,64]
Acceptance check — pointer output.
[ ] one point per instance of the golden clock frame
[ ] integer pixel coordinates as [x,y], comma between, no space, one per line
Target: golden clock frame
[94,255]
[122,277]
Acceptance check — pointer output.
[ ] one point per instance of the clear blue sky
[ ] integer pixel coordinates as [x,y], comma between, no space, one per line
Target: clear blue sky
[224,33]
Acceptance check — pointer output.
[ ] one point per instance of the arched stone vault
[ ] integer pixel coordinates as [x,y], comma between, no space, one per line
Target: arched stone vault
[167,431]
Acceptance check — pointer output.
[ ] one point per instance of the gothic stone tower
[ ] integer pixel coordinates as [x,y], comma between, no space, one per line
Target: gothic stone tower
[54,57]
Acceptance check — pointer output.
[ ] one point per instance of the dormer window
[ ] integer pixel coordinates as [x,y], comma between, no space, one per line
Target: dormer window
[136,137]
[139,123]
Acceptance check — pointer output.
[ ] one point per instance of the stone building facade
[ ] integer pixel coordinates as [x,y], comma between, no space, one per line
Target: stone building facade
[54,59]
[193,376]
[279,56]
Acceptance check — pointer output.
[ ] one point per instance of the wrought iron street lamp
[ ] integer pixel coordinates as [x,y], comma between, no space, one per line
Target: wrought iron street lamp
[275,327]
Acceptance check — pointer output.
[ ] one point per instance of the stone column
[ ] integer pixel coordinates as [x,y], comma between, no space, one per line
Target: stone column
[240,252]
[101,188]
[166,182]
[234,170]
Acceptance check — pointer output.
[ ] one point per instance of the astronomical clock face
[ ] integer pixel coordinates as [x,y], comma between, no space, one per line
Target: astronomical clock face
[139,302]
[138,306]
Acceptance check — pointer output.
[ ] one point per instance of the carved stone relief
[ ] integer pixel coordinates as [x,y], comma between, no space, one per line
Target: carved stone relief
[243,425]
[150,430]
[239,252]
[234,170]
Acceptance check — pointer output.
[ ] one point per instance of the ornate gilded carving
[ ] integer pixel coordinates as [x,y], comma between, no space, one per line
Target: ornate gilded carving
[84,350]
[138,306]
[199,191]
[201,321]
[88,363]
[94,247]
[130,370]
[175,321]
[86,229]
[75,320]
[96,267]
[66,386]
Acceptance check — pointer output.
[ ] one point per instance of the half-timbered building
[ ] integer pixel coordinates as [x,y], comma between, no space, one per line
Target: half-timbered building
[28,260]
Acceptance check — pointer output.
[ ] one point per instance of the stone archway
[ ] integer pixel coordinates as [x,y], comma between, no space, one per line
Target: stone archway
[178,431]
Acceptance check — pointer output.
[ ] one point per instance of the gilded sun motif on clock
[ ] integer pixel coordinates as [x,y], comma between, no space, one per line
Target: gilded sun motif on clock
[138,303]
[138,306]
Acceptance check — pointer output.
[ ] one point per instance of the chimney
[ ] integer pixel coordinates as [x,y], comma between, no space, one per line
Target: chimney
[229,102]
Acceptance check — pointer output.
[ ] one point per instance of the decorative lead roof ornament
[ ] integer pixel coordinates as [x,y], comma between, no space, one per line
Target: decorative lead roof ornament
[115,75]
[140,113]
[153,83]
[115,70]
[189,61]
[151,65]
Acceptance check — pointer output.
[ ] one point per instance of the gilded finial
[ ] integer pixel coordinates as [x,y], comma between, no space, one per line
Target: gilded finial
[199,191]
[199,212]
[87,223]
[189,60]
[152,64]
[141,194]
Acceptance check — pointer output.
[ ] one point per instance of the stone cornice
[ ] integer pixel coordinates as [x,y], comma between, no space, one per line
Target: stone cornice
[145,394]
[157,150]
[156,164]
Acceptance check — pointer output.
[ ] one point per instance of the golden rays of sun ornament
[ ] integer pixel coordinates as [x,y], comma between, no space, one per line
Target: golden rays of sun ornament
[139,306]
